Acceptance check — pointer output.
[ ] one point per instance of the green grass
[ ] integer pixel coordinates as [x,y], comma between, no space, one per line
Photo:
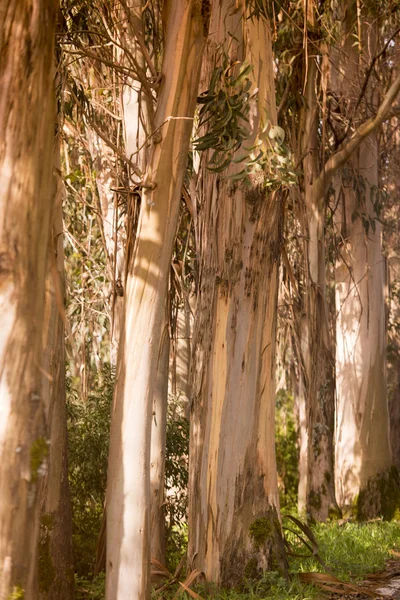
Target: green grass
[271,586]
[351,551]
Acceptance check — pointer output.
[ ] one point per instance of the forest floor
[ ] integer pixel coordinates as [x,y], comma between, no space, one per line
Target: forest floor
[383,584]
[346,561]
[387,582]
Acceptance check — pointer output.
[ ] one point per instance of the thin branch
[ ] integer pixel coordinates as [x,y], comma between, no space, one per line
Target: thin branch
[284,99]
[366,79]
[136,23]
[107,141]
[153,134]
[83,52]
[341,156]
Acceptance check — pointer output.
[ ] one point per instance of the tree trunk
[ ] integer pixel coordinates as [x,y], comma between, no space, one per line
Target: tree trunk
[56,572]
[27,119]
[362,436]
[233,491]
[128,495]
[364,480]
[319,359]
[127,20]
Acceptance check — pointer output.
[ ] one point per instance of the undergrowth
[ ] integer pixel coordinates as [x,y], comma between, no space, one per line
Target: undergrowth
[351,550]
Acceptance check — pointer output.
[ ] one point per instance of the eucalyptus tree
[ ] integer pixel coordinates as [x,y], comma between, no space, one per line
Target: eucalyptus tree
[114,85]
[27,122]
[318,354]
[128,496]
[322,155]
[234,528]
[363,455]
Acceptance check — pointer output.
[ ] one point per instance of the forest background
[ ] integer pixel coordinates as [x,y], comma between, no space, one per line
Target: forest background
[200,296]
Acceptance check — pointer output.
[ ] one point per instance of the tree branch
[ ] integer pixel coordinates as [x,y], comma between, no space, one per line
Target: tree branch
[341,156]
[366,79]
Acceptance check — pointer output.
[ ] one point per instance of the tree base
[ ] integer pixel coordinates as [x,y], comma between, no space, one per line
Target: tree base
[380,497]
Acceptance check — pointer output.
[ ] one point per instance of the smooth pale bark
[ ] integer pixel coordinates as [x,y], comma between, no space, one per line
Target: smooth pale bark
[362,425]
[135,110]
[318,354]
[27,120]
[137,119]
[128,495]
[56,572]
[363,454]
[233,490]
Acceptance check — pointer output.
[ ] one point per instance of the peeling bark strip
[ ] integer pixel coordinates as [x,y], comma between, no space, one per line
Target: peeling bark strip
[27,120]
[233,501]
[128,495]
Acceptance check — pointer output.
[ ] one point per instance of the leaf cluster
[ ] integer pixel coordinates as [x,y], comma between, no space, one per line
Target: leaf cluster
[224,111]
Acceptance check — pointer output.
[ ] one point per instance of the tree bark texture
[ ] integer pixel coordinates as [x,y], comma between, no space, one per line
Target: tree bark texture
[233,491]
[363,454]
[128,494]
[319,357]
[362,427]
[27,121]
